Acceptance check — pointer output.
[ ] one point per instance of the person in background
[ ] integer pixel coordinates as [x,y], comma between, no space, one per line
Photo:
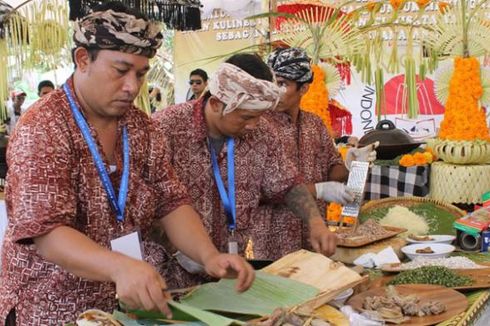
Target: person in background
[15,109]
[44,87]
[220,138]
[155,98]
[198,81]
[87,174]
[306,142]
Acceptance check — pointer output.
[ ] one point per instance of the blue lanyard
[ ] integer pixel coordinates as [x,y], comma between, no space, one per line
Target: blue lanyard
[227,197]
[118,205]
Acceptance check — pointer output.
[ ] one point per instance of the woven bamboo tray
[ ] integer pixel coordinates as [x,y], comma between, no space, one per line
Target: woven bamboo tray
[455,183]
[410,201]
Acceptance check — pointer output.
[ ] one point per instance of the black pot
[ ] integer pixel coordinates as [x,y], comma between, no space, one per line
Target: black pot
[392,141]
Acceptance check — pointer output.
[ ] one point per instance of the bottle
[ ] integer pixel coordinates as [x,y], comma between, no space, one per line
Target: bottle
[485,240]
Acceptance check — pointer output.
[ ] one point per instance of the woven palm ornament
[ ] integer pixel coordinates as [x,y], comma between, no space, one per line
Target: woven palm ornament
[182,15]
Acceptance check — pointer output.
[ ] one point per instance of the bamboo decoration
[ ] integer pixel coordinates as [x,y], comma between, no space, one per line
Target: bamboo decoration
[324,32]
[375,49]
[464,133]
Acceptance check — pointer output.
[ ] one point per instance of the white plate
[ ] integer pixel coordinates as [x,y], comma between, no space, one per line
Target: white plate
[436,238]
[440,250]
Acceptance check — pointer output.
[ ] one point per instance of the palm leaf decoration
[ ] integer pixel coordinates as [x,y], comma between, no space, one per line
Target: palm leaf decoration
[38,34]
[443,78]
[324,32]
[459,32]
[333,80]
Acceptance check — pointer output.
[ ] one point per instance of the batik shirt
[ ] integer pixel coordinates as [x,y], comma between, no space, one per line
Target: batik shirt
[262,172]
[308,144]
[52,182]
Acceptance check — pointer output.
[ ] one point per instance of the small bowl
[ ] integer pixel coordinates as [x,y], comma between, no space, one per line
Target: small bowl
[441,250]
[436,238]
[339,300]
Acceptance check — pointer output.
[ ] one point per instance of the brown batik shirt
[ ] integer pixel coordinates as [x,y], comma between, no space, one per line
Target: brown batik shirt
[262,172]
[52,181]
[307,144]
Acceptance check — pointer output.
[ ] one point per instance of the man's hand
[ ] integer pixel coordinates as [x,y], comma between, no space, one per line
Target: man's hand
[334,192]
[322,240]
[139,286]
[363,154]
[231,266]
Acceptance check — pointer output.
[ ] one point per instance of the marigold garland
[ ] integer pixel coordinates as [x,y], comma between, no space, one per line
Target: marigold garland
[316,99]
[407,161]
[396,4]
[418,158]
[464,119]
[443,6]
[371,5]
[334,211]
[422,3]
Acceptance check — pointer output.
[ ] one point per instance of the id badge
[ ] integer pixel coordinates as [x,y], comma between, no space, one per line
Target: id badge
[129,245]
[232,244]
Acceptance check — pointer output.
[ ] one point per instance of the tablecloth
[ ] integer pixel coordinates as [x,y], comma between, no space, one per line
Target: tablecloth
[397,181]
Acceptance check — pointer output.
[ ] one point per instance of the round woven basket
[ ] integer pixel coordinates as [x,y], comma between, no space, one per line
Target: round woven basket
[460,152]
[455,183]
[410,201]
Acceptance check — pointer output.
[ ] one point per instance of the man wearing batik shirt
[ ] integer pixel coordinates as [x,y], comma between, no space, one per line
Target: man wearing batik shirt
[306,142]
[218,139]
[85,174]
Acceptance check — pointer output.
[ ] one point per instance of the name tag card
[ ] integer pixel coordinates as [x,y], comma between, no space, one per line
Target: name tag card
[129,245]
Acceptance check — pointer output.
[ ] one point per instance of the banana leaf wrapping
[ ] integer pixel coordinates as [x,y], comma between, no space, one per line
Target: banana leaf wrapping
[266,294]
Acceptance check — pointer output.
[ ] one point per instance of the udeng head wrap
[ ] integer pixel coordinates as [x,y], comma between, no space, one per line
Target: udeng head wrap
[110,30]
[291,63]
[238,89]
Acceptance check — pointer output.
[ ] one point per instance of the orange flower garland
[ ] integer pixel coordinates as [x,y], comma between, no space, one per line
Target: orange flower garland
[443,6]
[371,5]
[407,160]
[422,3]
[464,119]
[396,4]
[418,158]
[334,211]
[316,99]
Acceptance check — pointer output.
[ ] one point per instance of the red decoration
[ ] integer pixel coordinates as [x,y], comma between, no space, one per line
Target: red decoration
[295,8]
[396,95]
[341,119]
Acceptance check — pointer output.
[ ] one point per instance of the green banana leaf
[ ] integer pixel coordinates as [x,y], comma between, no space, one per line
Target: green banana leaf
[183,312]
[267,293]
[126,320]
[439,220]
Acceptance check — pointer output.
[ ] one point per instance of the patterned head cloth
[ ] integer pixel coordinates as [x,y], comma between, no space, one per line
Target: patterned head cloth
[238,89]
[110,30]
[292,63]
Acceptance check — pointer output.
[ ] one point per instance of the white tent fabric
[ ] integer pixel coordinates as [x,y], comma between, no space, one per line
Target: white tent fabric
[237,9]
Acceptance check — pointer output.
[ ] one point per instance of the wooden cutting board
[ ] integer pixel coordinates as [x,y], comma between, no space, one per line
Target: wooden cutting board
[330,277]
[480,277]
[396,268]
[348,255]
[455,302]
[360,241]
